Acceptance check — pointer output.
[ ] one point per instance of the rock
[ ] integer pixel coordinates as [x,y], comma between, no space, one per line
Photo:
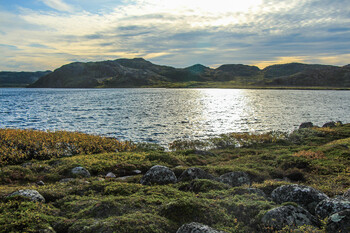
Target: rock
[305,196]
[339,222]
[40,183]
[26,165]
[203,152]
[347,195]
[66,180]
[306,125]
[158,175]
[195,227]
[256,191]
[110,175]
[330,124]
[289,215]
[195,173]
[330,206]
[30,193]
[80,171]
[136,172]
[235,178]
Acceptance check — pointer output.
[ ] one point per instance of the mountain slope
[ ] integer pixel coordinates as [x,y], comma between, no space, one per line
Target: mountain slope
[20,79]
[138,72]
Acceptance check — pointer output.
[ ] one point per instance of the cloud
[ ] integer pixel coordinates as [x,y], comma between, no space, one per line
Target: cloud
[59,5]
[182,33]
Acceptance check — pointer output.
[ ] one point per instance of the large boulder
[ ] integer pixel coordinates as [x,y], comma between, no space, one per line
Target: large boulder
[330,124]
[158,175]
[33,195]
[235,178]
[195,173]
[81,172]
[339,222]
[305,196]
[328,207]
[293,216]
[306,125]
[195,227]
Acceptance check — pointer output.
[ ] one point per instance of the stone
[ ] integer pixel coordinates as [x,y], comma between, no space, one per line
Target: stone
[158,175]
[80,171]
[306,125]
[347,195]
[330,206]
[195,173]
[305,196]
[40,183]
[293,216]
[195,227]
[110,175]
[235,178]
[30,193]
[136,172]
[330,124]
[339,222]
[66,180]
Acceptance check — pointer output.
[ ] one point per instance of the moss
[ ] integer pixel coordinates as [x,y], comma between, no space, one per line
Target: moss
[201,185]
[26,216]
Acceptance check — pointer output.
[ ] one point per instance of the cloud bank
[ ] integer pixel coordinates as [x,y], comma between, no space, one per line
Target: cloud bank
[178,33]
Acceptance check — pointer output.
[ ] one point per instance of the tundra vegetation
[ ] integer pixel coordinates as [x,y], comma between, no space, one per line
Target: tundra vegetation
[318,157]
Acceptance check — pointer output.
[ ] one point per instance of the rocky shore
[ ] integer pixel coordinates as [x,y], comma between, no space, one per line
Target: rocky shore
[298,182]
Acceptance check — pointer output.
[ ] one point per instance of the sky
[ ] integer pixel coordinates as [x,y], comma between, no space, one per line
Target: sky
[46,34]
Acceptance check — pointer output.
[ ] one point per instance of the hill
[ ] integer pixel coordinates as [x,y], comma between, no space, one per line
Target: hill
[139,72]
[20,79]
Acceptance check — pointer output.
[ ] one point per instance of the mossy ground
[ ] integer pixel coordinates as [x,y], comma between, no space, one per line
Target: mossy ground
[318,157]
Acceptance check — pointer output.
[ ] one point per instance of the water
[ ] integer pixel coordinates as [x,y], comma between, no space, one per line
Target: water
[164,115]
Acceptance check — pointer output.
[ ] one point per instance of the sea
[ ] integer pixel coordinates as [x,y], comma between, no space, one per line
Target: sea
[159,115]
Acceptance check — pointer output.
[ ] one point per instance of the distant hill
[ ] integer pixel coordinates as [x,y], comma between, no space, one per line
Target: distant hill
[20,79]
[139,72]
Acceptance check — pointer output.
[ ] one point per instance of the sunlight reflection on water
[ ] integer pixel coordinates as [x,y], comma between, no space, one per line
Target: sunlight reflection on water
[164,115]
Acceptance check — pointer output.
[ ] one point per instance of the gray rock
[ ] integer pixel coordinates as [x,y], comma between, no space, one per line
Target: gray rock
[30,193]
[339,222]
[235,178]
[26,165]
[66,180]
[195,173]
[136,172]
[328,207]
[195,227]
[305,196]
[158,175]
[256,191]
[289,215]
[306,125]
[347,195]
[80,171]
[40,183]
[110,175]
[330,124]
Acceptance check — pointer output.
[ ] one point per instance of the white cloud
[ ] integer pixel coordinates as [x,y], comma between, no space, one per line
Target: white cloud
[59,5]
[181,32]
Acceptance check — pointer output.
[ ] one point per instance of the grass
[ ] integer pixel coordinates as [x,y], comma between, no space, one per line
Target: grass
[317,157]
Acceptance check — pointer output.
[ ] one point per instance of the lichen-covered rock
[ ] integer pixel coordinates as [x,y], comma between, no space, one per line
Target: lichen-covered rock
[347,195]
[328,207]
[339,222]
[110,175]
[30,193]
[195,173]
[330,124]
[80,171]
[158,175]
[306,125]
[195,227]
[305,196]
[293,216]
[235,178]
